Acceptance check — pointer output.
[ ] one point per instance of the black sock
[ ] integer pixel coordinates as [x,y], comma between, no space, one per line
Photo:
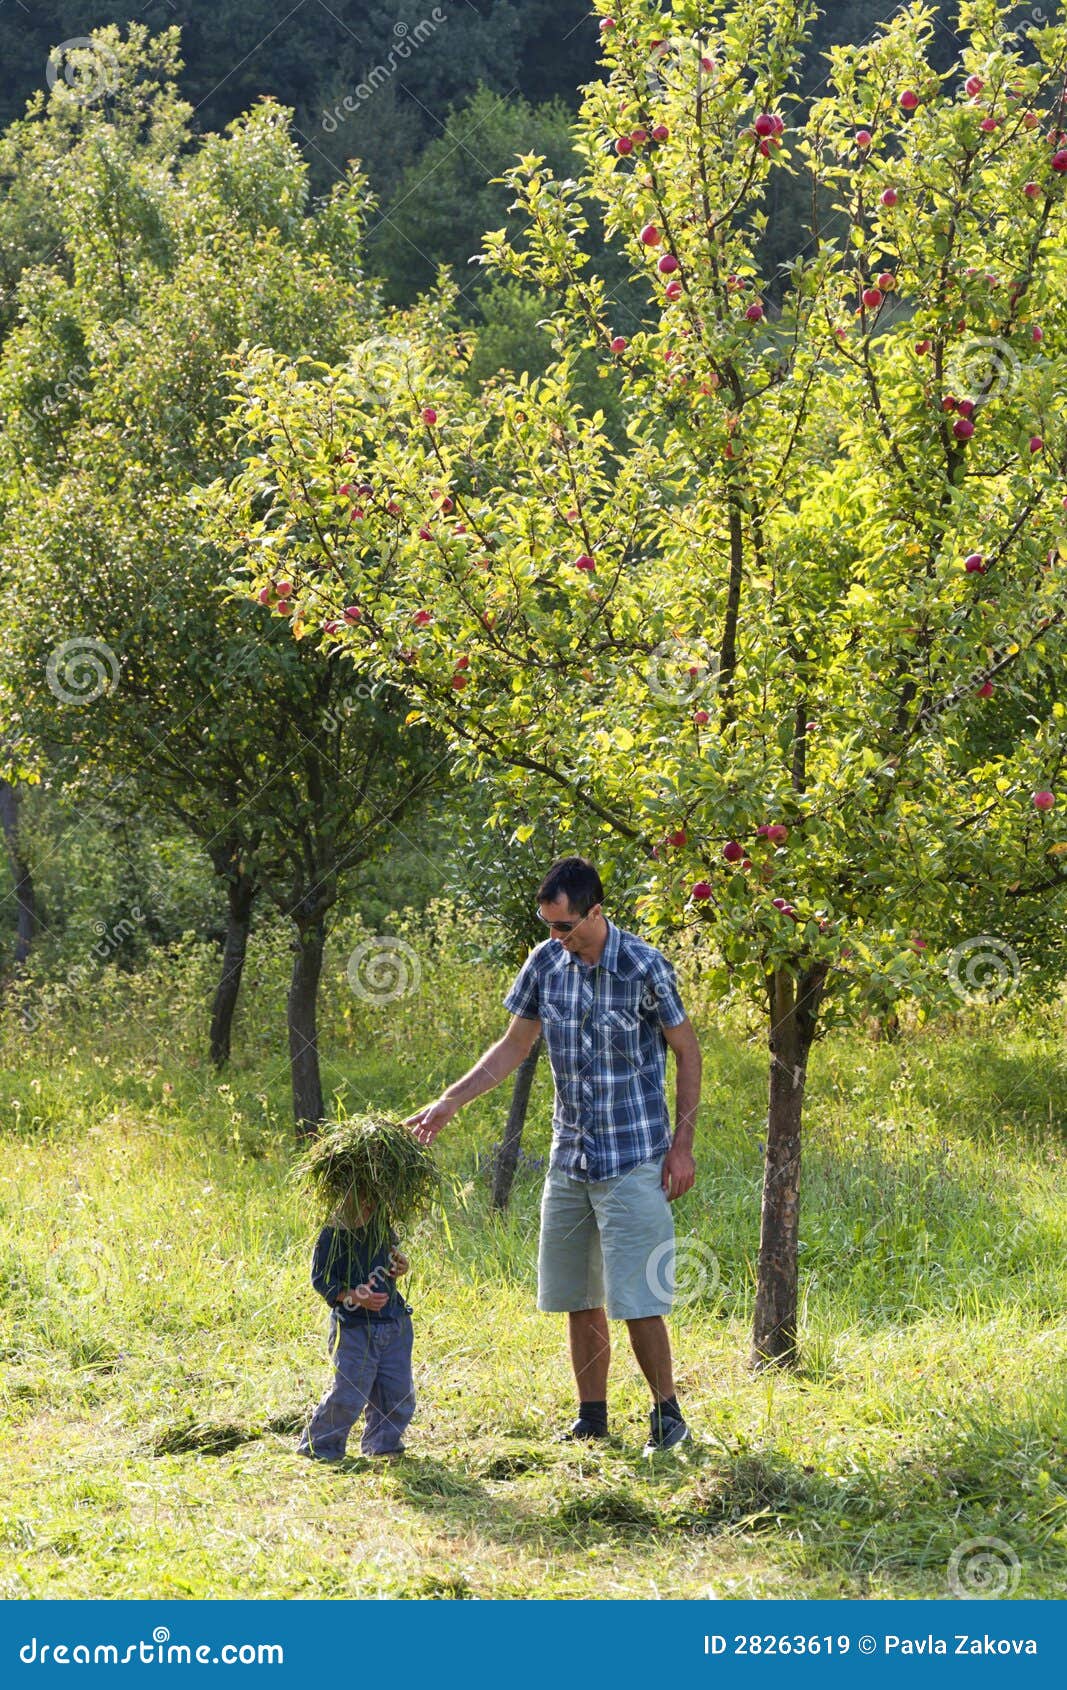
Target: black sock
[668,1409]
[595,1414]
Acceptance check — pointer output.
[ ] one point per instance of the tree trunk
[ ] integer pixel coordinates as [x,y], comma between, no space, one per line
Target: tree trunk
[26,923]
[507,1155]
[308,1107]
[240,891]
[794,1008]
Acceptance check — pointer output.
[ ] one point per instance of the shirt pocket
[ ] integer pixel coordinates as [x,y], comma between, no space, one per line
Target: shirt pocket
[619,1029]
[560,1037]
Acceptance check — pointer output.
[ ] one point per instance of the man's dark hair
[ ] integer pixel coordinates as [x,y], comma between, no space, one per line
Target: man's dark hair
[575,879]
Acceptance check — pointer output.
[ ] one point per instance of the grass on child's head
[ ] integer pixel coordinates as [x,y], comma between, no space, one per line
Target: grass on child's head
[371,1166]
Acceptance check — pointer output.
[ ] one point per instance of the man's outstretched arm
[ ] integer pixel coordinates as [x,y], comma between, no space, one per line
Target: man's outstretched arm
[679,1169]
[495,1065]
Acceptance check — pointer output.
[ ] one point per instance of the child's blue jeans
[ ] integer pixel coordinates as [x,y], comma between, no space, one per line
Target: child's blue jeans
[372,1372]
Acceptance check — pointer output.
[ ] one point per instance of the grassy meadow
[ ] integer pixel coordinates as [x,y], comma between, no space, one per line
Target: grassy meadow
[162,1344]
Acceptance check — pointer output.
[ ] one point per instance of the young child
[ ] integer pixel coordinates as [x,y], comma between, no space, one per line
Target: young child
[370,1338]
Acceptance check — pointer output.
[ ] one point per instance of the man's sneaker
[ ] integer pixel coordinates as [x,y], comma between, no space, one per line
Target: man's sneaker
[666,1430]
[583,1431]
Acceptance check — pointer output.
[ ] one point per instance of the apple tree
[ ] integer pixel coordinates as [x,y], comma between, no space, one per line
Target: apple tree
[758,643]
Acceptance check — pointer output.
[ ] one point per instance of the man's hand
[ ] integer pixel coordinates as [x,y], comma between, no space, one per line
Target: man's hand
[427,1123]
[365,1297]
[398,1263]
[679,1171]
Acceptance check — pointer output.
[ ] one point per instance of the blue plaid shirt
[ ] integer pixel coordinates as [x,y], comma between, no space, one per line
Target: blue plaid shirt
[603,1027]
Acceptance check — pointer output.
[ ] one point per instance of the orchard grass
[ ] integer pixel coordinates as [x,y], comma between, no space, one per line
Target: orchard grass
[162,1344]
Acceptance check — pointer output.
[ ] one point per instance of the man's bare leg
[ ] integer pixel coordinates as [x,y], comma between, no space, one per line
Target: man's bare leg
[590,1353]
[652,1347]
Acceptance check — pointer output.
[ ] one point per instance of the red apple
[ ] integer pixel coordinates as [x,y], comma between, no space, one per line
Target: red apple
[863,138]
[965,407]
[754,313]
[1032,191]
[265,595]
[459,682]
[1036,445]
[922,347]
[607,25]
[974,85]
[421,617]
[780,903]
[673,290]
[624,145]
[661,132]
[677,838]
[949,402]
[667,264]
[887,281]
[1043,800]
[732,851]
[352,613]
[639,137]
[619,343]
[650,235]
[975,564]
[429,416]
[701,718]
[1030,120]
[463,662]
[393,508]
[909,99]
[283,589]
[344,490]
[777,833]
[701,891]
[764,124]
[872,298]
[425,533]
[585,562]
[331,627]
[963,428]
[988,124]
[985,690]
[1059,162]
[1037,334]
[889,196]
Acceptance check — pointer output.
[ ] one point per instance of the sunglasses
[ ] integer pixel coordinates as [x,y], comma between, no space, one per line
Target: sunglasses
[562,926]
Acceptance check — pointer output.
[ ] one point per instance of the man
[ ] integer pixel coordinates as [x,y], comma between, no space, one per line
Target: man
[609,1007]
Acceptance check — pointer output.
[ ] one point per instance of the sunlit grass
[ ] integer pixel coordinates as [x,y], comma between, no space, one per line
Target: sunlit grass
[162,1343]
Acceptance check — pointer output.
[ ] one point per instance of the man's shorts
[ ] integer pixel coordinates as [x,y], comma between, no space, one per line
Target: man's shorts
[607,1243]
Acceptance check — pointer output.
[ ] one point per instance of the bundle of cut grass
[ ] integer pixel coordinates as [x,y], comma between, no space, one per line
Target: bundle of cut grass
[368,1171]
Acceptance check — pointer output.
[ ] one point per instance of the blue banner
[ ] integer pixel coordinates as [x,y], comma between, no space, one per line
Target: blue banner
[610,1644]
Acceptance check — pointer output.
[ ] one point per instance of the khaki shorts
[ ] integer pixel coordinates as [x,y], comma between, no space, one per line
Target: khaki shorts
[606,1244]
